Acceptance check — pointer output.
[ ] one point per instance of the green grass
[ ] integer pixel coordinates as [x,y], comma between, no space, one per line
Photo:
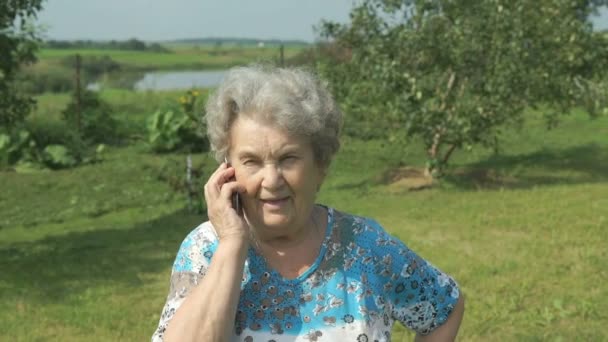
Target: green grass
[85,254]
[180,58]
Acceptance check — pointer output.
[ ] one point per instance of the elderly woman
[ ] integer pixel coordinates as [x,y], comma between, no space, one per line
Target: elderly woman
[285,268]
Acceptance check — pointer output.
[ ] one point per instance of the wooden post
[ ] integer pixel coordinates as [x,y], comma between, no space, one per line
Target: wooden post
[78,97]
[282,56]
[189,187]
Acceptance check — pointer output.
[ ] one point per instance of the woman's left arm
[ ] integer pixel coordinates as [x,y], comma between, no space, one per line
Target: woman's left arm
[421,297]
[448,330]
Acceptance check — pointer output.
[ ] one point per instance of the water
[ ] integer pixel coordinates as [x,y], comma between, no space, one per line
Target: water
[176,80]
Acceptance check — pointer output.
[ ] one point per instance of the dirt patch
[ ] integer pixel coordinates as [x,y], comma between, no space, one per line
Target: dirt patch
[407,178]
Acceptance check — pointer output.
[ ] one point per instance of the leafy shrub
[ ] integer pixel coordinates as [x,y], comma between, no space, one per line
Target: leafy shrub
[164,127]
[17,145]
[52,145]
[58,156]
[176,127]
[96,122]
[171,130]
[92,66]
[53,132]
[53,80]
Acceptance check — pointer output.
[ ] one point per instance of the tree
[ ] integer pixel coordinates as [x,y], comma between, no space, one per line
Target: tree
[454,72]
[18,44]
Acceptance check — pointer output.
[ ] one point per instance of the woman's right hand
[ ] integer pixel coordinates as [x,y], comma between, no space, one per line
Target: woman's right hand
[227,222]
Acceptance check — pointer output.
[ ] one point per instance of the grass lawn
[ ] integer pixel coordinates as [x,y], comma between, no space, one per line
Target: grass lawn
[85,254]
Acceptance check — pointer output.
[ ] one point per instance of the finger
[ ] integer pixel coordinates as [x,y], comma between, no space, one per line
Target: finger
[230,188]
[223,201]
[212,180]
[206,193]
[219,168]
[222,167]
[226,176]
[220,179]
[219,200]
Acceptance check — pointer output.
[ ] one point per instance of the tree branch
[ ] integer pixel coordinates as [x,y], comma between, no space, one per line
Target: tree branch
[447,155]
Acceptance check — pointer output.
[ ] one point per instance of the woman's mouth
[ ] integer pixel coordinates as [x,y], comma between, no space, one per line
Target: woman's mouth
[274,203]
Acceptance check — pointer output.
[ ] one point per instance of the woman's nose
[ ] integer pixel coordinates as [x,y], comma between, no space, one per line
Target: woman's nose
[272,177]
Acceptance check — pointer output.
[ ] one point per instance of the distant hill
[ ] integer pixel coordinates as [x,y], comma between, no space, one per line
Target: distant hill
[235,41]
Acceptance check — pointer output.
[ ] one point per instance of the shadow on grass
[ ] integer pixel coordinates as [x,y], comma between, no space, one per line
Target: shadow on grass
[360,185]
[576,165]
[56,267]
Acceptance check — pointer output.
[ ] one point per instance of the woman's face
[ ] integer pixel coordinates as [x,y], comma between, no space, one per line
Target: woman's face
[279,173]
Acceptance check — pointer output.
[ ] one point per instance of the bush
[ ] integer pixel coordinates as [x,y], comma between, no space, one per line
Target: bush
[58,157]
[96,122]
[45,144]
[171,130]
[17,145]
[92,66]
[53,132]
[55,80]
[164,128]
[176,127]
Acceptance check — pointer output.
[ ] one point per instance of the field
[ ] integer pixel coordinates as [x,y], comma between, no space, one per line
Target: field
[182,57]
[86,253]
[111,68]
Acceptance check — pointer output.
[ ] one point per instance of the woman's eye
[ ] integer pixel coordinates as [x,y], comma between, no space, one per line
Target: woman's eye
[289,159]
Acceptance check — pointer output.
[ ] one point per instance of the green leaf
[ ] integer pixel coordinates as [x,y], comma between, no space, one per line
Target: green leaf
[100,148]
[5,142]
[58,156]
[28,167]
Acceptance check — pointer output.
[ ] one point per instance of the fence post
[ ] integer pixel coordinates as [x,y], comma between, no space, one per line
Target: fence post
[189,181]
[78,97]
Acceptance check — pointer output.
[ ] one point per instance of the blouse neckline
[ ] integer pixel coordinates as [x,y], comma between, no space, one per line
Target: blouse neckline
[328,230]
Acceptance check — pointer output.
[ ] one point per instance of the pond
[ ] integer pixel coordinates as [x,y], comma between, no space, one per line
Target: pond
[176,80]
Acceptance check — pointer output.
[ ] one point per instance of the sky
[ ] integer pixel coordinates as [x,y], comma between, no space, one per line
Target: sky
[158,20]
[176,19]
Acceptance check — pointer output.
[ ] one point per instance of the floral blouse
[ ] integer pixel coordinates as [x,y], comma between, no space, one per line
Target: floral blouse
[362,281]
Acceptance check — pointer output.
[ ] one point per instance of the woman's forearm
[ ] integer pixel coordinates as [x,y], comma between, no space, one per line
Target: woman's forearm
[208,312]
[449,329]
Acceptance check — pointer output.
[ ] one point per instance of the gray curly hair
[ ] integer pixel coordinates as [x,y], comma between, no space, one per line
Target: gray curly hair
[291,98]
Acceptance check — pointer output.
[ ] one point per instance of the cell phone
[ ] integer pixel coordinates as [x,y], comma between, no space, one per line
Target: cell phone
[236,199]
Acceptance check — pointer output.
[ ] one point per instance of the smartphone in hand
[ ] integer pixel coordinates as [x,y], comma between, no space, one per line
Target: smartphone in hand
[236,198]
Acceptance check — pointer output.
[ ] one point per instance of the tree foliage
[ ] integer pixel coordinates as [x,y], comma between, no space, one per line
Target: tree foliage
[18,44]
[127,45]
[453,72]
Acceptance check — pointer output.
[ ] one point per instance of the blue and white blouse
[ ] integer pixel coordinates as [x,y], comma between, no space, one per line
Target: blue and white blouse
[362,281]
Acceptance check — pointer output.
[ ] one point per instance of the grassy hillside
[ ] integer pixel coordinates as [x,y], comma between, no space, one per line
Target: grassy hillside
[86,253]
